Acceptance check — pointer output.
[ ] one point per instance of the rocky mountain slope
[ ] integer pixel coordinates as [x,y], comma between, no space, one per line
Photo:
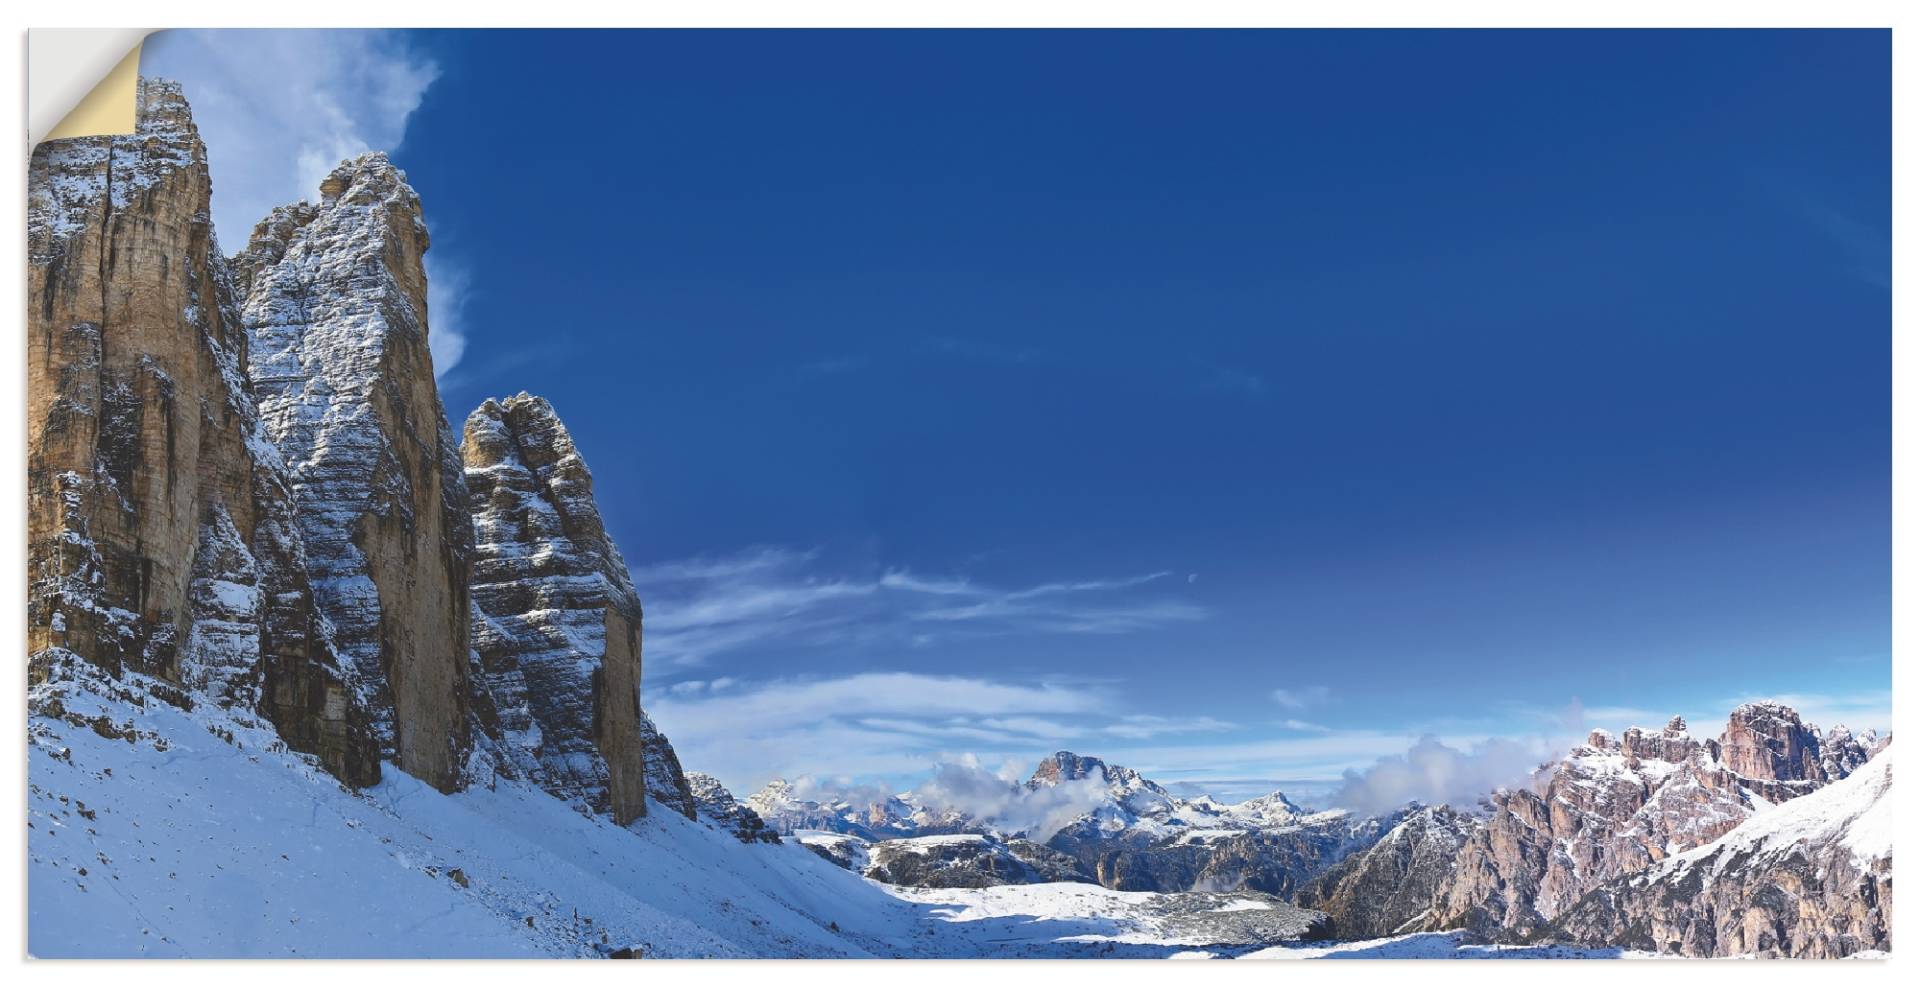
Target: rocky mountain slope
[1812,879]
[1611,807]
[718,806]
[1109,823]
[1391,886]
[958,860]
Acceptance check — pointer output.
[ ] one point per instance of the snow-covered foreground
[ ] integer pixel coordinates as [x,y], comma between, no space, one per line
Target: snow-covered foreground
[156,831]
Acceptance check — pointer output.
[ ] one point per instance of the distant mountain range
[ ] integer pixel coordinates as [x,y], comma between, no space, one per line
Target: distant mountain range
[1505,868]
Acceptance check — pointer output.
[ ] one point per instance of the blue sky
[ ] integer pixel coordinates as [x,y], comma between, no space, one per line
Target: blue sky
[1239,406]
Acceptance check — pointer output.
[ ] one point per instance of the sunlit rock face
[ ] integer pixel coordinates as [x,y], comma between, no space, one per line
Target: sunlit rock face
[1810,879]
[163,536]
[1613,807]
[335,310]
[556,621]
[718,806]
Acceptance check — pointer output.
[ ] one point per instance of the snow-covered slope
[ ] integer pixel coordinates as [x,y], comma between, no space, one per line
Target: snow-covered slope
[156,830]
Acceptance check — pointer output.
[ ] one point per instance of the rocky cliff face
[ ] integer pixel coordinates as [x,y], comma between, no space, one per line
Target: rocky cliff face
[968,861]
[335,307]
[556,620]
[163,534]
[718,806]
[1392,885]
[1809,879]
[1618,806]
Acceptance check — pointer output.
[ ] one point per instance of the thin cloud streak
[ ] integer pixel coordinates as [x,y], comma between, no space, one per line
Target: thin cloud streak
[701,607]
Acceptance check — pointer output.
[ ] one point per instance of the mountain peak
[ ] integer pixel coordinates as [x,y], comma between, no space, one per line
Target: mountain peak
[1067,766]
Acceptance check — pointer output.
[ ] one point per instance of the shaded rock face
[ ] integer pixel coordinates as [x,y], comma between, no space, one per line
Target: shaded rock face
[335,311]
[718,806]
[1811,879]
[1615,807]
[556,621]
[162,526]
[967,861]
[1277,861]
[1392,884]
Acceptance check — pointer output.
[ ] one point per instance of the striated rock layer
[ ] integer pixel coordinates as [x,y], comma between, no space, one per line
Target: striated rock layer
[1391,886]
[335,307]
[162,527]
[556,621]
[1811,879]
[1614,807]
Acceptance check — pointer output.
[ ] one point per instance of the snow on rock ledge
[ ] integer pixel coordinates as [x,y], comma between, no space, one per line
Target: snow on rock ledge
[556,621]
[336,312]
[161,527]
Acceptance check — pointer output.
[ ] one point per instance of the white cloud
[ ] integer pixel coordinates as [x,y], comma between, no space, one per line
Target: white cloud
[1302,697]
[448,286]
[999,798]
[1146,727]
[279,109]
[1432,771]
[873,723]
[697,608]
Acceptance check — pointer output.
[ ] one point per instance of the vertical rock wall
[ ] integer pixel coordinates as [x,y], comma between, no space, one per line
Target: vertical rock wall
[160,521]
[556,619]
[335,309]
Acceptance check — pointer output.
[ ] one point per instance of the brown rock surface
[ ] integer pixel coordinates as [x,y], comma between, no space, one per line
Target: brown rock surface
[1810,879]
[161,531]
[335,310]
[557,623]
[1615,808]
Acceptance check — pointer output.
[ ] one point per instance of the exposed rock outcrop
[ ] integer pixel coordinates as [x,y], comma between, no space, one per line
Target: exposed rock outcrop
[336,310]
[1392,884]
[718,806]
[556,621]
[162,525]
[968,861]
[1615,807]
[1809,879]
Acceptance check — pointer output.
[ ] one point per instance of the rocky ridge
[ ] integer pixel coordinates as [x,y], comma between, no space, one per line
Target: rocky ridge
[718,806]
[1613,806]
[1811,879]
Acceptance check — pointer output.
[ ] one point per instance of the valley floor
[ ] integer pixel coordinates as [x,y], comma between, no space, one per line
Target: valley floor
[156,831]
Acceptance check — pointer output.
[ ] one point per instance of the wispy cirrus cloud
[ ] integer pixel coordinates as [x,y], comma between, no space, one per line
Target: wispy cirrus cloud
[1302,697]
[892,723]
[697,608]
